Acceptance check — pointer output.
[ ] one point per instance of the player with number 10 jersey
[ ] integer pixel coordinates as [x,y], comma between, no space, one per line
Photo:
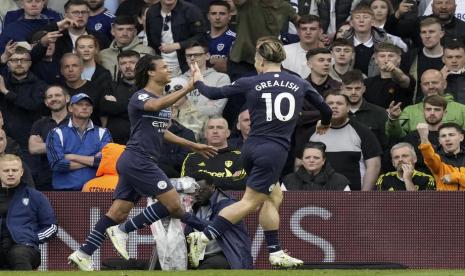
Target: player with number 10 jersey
[274,100]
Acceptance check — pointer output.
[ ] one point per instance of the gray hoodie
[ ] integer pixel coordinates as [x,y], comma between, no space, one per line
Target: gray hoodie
[109,56]
[204,105]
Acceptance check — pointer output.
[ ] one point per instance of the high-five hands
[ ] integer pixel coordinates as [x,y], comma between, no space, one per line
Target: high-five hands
[196,72]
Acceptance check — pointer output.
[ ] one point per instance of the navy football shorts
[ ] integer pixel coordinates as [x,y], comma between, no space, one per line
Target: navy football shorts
[263,161]
[139,177]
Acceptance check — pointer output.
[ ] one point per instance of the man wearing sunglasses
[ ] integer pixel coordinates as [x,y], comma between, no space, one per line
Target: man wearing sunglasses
[172,25]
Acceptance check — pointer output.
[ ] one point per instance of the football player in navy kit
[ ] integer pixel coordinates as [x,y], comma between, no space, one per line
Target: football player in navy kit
[139,174]
[274,99]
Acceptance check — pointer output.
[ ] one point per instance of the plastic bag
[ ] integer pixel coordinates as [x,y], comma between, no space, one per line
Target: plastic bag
[169,232]
[185,185]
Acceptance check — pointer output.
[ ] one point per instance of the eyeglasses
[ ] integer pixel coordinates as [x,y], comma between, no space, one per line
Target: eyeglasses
[166,20]
[79,13]
[19,60]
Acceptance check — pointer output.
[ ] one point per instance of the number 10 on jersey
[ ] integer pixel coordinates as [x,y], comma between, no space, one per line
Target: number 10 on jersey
[276,106]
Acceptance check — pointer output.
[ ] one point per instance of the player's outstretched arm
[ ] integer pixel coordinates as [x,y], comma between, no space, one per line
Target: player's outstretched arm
[317,101]
[167,100]
[204,150]
[213,93]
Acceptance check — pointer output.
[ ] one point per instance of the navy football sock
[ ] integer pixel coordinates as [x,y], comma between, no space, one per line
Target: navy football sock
[217,227]
[148,216]
[272,241]
[97,235]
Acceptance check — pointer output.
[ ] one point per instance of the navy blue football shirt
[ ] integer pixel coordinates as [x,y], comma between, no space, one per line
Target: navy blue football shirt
[102,23]
[220,46]
[274,100]
[147,127]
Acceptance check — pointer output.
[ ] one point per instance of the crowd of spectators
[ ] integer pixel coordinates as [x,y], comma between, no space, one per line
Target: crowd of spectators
[393,76]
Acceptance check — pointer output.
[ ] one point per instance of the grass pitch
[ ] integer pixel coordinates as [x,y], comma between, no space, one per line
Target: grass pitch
[327,272]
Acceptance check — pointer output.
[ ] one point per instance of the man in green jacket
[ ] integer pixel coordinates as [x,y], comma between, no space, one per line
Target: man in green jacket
[401,122]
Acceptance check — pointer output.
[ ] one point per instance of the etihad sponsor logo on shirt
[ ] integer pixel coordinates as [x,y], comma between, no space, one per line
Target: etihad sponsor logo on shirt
[159,124]
[268,84]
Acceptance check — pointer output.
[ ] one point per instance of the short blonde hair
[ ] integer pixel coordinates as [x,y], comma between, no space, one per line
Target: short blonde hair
[362,8]
[10,157]
[272,51]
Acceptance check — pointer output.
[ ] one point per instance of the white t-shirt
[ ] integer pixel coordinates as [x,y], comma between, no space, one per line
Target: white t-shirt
[74,38]
[171,58]
[296,60]
[87,73]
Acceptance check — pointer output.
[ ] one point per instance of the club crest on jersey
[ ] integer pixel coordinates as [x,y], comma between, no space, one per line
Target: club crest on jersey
[220,46]
[98,26]
[228,163]
[25,201]
[143,97]
[162,185]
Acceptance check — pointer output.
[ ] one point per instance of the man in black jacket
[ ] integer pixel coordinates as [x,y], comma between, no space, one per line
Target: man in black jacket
[171,26]
[454,70]
[21,96]
[409,27]
[56,100]
[72,26]
[226,167]
[451,151]
[115,106]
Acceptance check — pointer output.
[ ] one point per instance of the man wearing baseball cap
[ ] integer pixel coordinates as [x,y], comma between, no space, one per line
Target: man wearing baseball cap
[73,149]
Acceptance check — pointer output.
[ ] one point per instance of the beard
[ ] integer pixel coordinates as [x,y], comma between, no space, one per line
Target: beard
[96,6]
[19,74]
[129,77]
[57,109]
[433,121]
